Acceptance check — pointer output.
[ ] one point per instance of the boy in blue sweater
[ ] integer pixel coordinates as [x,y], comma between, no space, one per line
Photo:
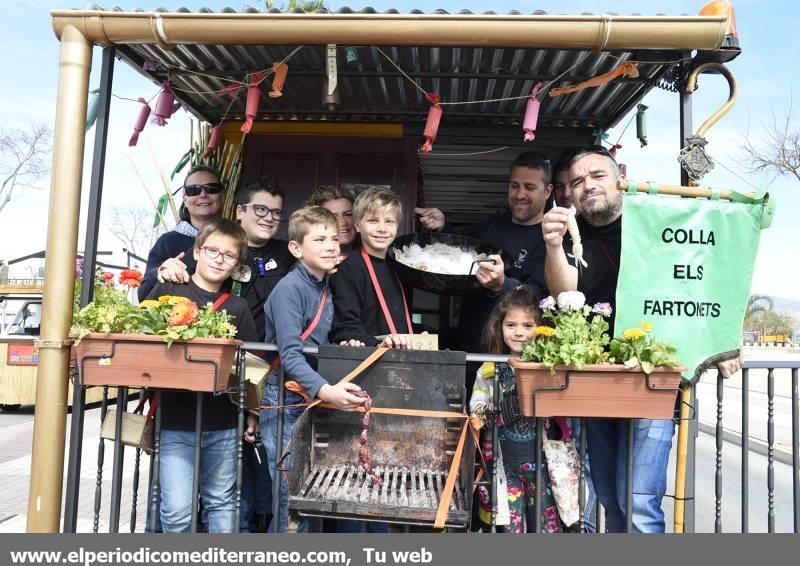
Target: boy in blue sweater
[299,312]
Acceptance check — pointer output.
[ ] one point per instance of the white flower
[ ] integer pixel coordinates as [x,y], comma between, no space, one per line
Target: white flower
[571,301]
[547,303]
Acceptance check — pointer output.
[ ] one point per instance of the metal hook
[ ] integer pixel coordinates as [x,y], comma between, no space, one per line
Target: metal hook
[693,157]
[691,86]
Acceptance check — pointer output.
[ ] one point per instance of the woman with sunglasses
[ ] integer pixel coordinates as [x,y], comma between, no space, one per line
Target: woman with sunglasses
[202,202]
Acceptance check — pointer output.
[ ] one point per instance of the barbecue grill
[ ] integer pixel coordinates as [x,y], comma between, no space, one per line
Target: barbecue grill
[411,454]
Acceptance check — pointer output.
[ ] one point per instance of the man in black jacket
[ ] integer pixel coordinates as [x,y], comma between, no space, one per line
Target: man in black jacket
[518,232]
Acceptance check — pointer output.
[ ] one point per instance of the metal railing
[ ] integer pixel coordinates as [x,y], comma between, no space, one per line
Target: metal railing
[722,434]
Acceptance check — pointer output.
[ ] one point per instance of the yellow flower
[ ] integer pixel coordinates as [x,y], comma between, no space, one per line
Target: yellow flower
[164,298]
[634,333]
[543,331]
[149,303]
[178,300]
[647,326]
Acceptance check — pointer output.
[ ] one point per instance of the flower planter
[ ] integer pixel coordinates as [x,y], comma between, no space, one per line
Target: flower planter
[609,391]
[139,360]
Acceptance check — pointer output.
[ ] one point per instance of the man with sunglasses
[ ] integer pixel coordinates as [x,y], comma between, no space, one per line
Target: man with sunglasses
[592,177]
[202,201]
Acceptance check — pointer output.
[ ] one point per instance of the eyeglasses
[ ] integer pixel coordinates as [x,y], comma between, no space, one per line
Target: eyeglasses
[209,188]
[261,210]
[214,253]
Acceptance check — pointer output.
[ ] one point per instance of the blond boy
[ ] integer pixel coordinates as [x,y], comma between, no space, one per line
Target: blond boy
[301,305]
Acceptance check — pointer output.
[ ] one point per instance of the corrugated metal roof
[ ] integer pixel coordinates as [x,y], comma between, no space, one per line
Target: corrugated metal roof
[372,90]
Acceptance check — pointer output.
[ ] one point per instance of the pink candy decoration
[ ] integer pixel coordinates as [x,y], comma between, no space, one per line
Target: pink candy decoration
[253,101]
[141,122]
[432,123]
[531,114]
[164,105]
[213,143]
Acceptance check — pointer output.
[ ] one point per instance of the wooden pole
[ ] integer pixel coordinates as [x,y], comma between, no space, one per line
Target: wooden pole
[676,190]
[680,462]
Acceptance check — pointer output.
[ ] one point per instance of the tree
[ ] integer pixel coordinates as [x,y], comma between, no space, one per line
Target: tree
[780,152]
[774,322]
[133,227]
[24,158]
[757,305]
[306,5]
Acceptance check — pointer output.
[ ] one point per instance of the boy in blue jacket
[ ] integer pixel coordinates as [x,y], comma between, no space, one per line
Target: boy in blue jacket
[299,312]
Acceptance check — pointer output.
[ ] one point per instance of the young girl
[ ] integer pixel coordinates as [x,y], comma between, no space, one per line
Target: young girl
[511,326]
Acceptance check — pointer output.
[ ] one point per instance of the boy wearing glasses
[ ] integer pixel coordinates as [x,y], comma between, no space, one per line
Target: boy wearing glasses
[202,200]
[218,251]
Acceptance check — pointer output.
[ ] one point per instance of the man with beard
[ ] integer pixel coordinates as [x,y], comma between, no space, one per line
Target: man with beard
[593,176]
[518,232]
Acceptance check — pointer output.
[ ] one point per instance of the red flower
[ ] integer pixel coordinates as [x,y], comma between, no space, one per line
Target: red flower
[108,278]
[130,278]
[183,314]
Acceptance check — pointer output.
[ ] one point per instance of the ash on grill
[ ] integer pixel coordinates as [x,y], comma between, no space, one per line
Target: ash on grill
[409,456]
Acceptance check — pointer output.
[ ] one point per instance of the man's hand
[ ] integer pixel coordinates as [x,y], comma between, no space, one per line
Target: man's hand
[340,396]
[554,226]
[173,270]
[492,275]
[730,367]
[430,218]
[399,341]
[252,429]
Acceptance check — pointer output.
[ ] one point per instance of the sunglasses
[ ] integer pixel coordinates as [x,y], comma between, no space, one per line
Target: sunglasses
[209,188]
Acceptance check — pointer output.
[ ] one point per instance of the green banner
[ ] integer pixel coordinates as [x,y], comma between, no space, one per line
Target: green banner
[687,266]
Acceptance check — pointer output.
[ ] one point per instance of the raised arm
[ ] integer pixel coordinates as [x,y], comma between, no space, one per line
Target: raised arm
[559,275]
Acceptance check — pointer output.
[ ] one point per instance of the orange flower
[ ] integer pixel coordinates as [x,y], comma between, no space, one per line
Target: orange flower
[108,278]
[130,278]
[183,314]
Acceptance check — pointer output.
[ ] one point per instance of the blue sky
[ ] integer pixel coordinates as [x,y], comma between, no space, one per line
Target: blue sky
[767,72]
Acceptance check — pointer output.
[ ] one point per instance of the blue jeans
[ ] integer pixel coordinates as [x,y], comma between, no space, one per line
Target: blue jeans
[591,496]
[607,445]
[256,488]
[217,479]
[268,422]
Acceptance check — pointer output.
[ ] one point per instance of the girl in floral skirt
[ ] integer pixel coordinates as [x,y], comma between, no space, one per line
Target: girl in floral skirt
[511,325]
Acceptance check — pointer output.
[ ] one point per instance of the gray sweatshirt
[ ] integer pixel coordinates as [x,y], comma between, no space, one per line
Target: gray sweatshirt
[289,311]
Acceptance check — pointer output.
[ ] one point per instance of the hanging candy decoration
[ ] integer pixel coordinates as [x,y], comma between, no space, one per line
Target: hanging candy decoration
[531,114]
[141,122]
[213,143]
[91,112]
[641,124]
[613,150]
[281,69]
[164,105]
[432,123]
[253,100]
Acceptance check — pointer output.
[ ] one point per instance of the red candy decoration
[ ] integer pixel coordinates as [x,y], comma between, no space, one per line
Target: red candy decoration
[213,143]
[281,69]
[253,101]
[164,105]
[432,123]
[141,122]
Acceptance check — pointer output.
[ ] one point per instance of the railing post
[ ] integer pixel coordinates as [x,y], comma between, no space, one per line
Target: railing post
[745,450]
[770,451]
[718,475]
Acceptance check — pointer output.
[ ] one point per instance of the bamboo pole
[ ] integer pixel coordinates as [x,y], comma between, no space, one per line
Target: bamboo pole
[147,191]
[165,183]
[50,422]
[676,190]
[587,32]
[680,463]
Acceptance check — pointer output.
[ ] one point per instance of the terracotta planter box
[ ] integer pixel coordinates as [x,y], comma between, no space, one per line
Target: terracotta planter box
[610,391]
[139,360]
